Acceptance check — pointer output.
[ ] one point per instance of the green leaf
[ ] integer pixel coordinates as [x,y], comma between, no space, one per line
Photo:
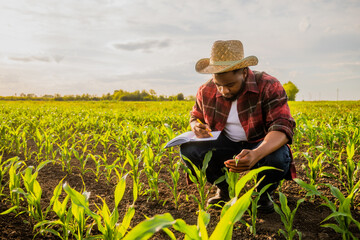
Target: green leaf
[169,233]
[308,187]
[203,221]
[223,229]
[119,190]
[123,227]
[9,210]
[206,161]
[147,228]
[190,231]
[243,180]
[336,228]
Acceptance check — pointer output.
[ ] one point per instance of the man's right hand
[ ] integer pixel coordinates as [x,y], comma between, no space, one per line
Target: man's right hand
[201,130]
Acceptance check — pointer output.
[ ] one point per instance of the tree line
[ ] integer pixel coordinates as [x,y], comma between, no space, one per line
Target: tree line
[122,95]
[119,95]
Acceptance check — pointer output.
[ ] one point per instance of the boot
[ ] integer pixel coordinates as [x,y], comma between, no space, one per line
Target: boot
[265,204]
[221,197]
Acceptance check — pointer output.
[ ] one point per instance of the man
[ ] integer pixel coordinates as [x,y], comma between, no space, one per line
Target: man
[251,110]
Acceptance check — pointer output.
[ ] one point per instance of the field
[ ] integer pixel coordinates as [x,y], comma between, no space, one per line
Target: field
[98,170]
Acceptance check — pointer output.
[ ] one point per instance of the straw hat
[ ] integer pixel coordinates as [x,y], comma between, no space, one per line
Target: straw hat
[225,56]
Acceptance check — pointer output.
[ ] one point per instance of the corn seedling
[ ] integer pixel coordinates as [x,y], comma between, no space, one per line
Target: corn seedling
[134,163]
[175,176]
[105,141]
[287,216]
[107,222]
[82,157]
[152,170]
[97,171]
[4,168]
[314,170]
[198,176]
[64,214]
[66,151]
[79,204]
[252,211]
[33,192]
[340,209]
[15,181]
[231,179]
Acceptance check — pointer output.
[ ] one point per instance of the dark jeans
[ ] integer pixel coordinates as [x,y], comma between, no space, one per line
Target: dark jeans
[225,149]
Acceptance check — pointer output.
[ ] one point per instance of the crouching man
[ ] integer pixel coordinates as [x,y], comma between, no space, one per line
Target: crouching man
[251,110]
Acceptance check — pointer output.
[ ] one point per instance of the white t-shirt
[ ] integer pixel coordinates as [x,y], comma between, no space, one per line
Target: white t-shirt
[233,128]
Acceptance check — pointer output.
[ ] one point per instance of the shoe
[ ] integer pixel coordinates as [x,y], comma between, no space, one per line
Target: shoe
[265,205]
[221,197]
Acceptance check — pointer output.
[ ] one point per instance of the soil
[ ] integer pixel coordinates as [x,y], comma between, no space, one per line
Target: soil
[308,218]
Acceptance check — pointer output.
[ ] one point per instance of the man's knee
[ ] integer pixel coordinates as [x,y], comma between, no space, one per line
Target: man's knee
[279,159]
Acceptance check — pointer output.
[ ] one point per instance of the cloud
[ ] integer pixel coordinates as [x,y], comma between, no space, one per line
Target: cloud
[37,58]
[145,46]
[20,59]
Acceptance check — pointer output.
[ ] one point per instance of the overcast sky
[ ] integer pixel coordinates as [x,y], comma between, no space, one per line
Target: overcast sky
[98,46]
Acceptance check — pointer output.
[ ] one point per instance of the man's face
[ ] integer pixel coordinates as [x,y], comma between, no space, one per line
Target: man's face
[229,84]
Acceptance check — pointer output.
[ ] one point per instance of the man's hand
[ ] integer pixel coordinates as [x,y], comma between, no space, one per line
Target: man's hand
[201,130]
[246,159]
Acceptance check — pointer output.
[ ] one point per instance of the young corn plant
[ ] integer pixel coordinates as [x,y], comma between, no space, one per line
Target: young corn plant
[15,181]
[349,171]
[199,178]
[352,168]
[134,163]
[83,158]
[175,176]
[63,213]
[314,170]
[4,168]
[79,203]
[16,136]
[108,167]
[33,192]
[231,178]
[97,171]
[66,152]
[341,209]
[107,222]
[24,144]
[105,141]
[287,216]
[152,171]
[252,211]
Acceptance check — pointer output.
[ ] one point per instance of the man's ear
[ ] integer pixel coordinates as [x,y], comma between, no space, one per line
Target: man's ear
[245,72]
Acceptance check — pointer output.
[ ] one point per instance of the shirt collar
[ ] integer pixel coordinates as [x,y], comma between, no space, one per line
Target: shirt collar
[250,85]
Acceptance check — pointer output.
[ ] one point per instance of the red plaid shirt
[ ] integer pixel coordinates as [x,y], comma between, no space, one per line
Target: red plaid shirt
[262,107]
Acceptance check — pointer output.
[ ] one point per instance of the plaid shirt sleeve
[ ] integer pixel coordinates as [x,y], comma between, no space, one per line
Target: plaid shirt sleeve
[276,109]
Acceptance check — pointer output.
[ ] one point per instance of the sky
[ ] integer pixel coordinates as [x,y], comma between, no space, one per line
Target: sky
[98,46]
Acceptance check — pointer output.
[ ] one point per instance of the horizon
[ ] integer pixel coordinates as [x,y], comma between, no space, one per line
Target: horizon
[97,47]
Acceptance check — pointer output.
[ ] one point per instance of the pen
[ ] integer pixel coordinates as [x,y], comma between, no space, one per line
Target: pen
[207,129]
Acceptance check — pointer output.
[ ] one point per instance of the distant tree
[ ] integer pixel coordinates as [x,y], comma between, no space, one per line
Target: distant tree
[180,97]
[291,90]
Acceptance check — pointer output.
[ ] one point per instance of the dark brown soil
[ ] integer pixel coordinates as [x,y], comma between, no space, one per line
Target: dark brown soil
[308,218]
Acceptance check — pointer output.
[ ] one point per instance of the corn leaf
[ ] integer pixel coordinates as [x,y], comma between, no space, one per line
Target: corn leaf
[147,228]
[224,228]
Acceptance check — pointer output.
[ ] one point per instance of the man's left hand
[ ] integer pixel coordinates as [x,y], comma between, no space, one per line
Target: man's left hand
[246,159]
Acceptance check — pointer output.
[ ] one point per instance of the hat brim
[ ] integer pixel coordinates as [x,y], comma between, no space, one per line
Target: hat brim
[204,66]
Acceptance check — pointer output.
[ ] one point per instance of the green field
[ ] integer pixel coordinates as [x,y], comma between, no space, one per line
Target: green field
[116,149]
